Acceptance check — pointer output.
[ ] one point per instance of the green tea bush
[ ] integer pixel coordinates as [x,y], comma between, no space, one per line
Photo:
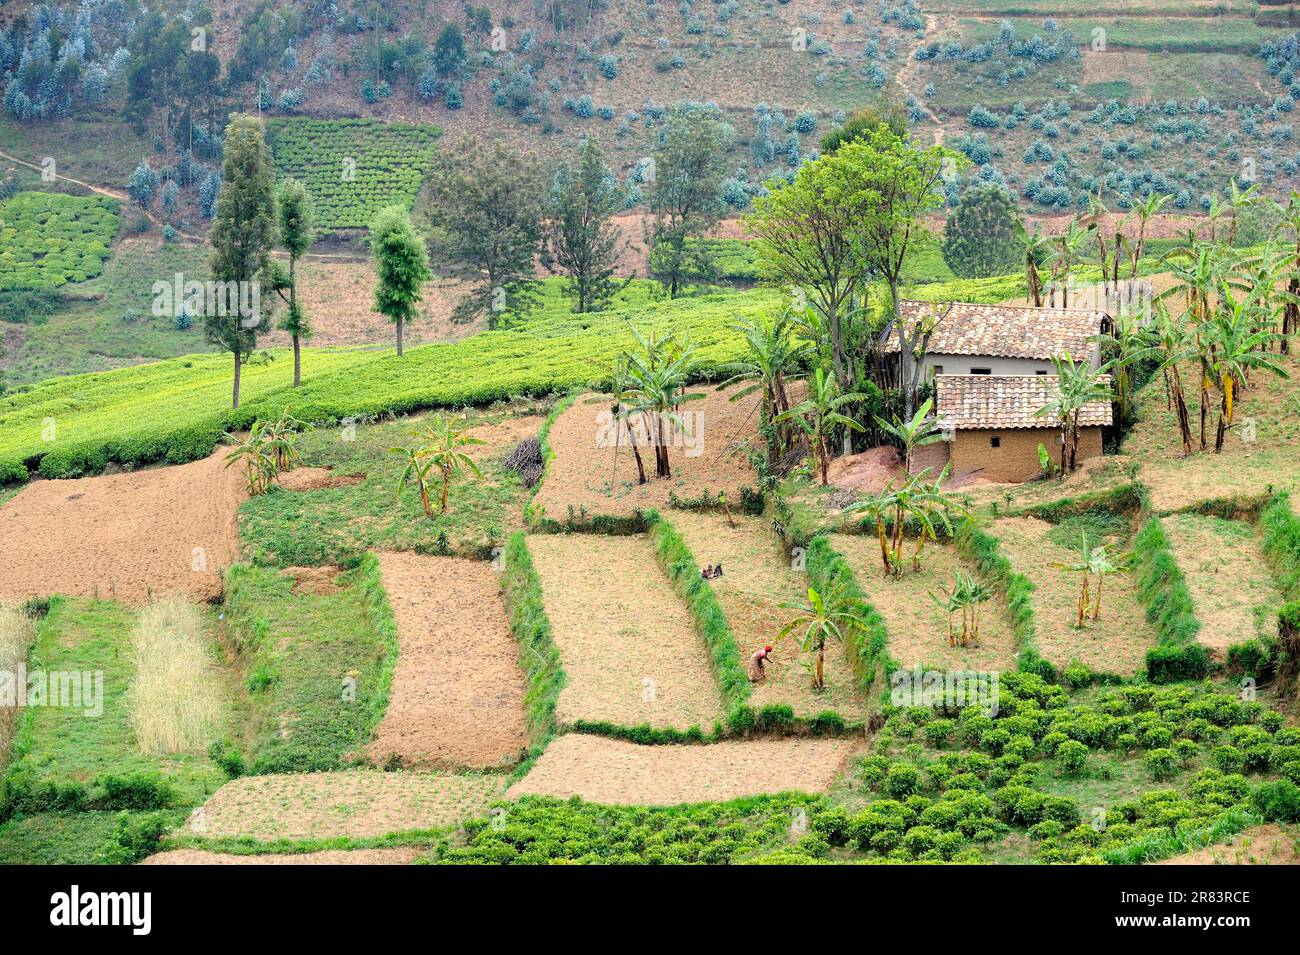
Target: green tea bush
[49,239]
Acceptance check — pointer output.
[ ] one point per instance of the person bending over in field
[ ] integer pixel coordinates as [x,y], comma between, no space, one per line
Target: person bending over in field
[758,665]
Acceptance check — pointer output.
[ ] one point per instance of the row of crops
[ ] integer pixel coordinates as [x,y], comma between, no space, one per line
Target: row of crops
[48,240]
[352,167]
[176,410]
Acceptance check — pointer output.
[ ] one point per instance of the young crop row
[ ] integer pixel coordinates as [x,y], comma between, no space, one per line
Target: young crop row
[48,240]
[352,168]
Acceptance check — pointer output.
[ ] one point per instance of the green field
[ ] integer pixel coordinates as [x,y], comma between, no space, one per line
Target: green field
[48,240]
[352,167]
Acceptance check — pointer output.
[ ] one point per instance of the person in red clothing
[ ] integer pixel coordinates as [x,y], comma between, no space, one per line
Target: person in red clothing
[757,665]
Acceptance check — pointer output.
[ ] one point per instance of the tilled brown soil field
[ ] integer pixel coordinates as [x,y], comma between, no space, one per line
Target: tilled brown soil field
[627,643]
[458,692]
[124,536]
[617,773]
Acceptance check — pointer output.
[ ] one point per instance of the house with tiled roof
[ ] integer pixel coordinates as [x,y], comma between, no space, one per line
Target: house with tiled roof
[992,369]
[972,339]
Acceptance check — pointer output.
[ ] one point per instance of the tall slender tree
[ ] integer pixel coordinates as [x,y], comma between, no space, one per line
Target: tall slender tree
[402,262]
[581,240]
[295,218]
[243,232]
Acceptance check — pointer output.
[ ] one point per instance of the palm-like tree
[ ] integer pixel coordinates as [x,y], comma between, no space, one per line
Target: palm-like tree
[444,439]
[1239,340]
[819,414]
[415,470]
[1088,560]
[1145,209]
[1078,384]
[773,362]
[827,616]
[966,594]
[659,374]
[259,466]
[914,433]
[1035,247]
[1064,253]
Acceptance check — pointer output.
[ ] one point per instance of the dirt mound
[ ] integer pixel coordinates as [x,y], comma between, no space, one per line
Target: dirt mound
[458,693]
[356,804]
[1260,845]
[867,471]
[316,479]
[627,643]
[124,536]
[617,773]
[317,581]
[403,855]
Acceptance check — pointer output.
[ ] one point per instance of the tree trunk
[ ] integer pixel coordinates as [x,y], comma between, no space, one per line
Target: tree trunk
[442,504]
[399,336]
[297,362]
[235,393]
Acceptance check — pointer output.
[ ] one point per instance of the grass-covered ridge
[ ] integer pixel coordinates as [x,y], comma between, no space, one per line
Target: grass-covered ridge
[176,410]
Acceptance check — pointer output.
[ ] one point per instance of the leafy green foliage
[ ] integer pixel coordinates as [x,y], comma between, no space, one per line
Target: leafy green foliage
[352,167]
[48,240]
[980,235]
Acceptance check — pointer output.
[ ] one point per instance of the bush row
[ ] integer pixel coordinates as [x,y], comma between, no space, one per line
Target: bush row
[539,658]
[1162,588]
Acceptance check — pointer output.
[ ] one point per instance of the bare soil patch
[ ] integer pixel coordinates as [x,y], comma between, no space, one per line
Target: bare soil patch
[501,437]
[316,479]
[1120,64]
[402,855]
[627,643]
[918,628]
[356,804]
[458,693]
[124,536]
[1115,643]
[579,478]
[1232,592]
[757,579]
[1259,845]
[613,772]
[318,581]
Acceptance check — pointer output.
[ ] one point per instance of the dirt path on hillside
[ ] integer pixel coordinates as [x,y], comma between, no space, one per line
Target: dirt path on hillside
[628,645]
[458,693]
[616,773]
[356,804]
[124,536]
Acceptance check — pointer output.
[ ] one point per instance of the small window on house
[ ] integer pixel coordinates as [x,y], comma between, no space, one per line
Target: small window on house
[996,441]
[936,369]
[1040,372]
[981,371]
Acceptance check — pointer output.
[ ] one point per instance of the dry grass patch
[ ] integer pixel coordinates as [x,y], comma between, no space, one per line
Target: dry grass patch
[583,479]
[757,579]
[1116,643]
[1259,451]
[624,774]
[176,703]
[1232,592]
[917,627]
[355,804]
[17,631]
[458,692]
[627,643]
[1259,845]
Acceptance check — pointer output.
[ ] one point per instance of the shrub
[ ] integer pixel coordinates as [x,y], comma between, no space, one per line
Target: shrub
[1071,757]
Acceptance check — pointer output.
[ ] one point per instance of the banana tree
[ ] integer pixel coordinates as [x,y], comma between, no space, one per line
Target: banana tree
[819,414]
[827,616]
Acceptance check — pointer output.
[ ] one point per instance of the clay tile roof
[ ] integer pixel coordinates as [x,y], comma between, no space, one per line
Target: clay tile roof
[1008,331]
[1005,401]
